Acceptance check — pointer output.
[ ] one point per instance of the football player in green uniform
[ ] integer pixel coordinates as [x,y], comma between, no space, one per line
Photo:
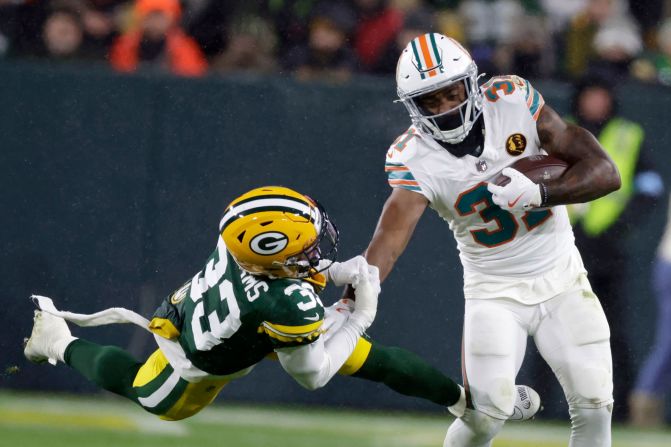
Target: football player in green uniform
[256,297]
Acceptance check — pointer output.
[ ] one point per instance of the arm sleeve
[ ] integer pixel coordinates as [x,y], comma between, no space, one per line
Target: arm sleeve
[397,169]
[313,365]
[399,176]
[534,99]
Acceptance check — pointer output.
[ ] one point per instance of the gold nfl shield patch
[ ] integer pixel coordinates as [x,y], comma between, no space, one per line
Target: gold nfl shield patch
[515,144]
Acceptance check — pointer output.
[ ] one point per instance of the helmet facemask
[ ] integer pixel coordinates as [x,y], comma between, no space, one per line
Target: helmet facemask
[453,125]
[324,247]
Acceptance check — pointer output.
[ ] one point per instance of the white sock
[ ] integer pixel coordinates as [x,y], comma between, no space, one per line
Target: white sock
[474,429]
[590,427]
[58,347]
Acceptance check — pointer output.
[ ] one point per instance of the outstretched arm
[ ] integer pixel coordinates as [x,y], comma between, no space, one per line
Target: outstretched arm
[397,222]
[591,173]
[313,365]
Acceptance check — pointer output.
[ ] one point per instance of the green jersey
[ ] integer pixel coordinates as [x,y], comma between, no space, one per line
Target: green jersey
[226,319]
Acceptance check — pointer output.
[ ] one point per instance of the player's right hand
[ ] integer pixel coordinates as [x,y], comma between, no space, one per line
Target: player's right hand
[348,272]
[519,194]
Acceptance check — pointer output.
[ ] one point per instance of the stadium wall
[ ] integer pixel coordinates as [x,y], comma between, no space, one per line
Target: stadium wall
[113,186]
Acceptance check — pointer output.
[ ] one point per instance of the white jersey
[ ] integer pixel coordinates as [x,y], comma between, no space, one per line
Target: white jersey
[493,243]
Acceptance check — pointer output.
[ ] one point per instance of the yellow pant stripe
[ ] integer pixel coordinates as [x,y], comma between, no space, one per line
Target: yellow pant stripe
[357,359]
[151,369]
[196,396]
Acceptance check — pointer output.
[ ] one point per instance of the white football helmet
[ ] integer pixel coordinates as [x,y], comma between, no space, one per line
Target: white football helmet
[431,62]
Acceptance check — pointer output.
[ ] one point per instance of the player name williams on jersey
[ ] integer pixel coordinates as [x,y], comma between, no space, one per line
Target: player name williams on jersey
[491,241]
[226,319]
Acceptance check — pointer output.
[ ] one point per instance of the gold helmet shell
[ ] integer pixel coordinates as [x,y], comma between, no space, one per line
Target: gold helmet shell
[278,232]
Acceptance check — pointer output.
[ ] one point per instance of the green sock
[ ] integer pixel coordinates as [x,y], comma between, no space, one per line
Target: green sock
[408,374]
[109,367]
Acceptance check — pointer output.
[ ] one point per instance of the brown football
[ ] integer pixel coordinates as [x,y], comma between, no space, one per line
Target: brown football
[537,168]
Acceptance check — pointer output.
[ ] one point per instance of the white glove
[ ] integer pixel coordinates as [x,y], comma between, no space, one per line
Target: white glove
[349,272]
[373,277]
[365,305]
[520,194]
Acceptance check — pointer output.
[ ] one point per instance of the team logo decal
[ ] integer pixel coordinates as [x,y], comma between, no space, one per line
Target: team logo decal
[180,294]
[269,243]
[515,144]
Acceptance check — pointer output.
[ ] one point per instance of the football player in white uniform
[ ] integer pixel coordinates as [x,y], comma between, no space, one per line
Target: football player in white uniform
[523,275]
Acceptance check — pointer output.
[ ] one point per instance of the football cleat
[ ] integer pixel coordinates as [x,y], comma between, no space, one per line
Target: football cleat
[48,340]
[527,404]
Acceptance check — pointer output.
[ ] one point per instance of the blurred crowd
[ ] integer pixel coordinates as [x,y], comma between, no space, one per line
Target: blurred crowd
[333,40]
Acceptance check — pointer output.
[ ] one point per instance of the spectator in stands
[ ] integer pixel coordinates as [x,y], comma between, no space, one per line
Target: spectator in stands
[415,23]
[100,19]
[63,35]
[327,55]
[601,226]
[291,19]
[207,21]
[530,52]
[648,14]
[581,31]
[251,45]
[646,402]
[656,66]
[21,24]
[491,26]
[560,13]
[378,26]
[157,42]
[616,45]
[66,23]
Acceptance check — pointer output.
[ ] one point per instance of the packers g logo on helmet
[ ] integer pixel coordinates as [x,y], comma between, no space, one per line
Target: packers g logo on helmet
[279,232]
[269,243]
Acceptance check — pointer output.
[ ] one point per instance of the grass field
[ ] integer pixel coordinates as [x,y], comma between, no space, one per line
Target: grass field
[28,420]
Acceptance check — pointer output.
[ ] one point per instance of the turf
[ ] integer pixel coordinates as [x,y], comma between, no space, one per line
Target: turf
[28,420]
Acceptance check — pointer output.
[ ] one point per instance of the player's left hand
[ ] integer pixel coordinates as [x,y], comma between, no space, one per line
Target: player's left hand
[348,272]
[520,194]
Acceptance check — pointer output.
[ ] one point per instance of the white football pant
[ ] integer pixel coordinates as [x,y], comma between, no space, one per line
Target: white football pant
[571,333]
